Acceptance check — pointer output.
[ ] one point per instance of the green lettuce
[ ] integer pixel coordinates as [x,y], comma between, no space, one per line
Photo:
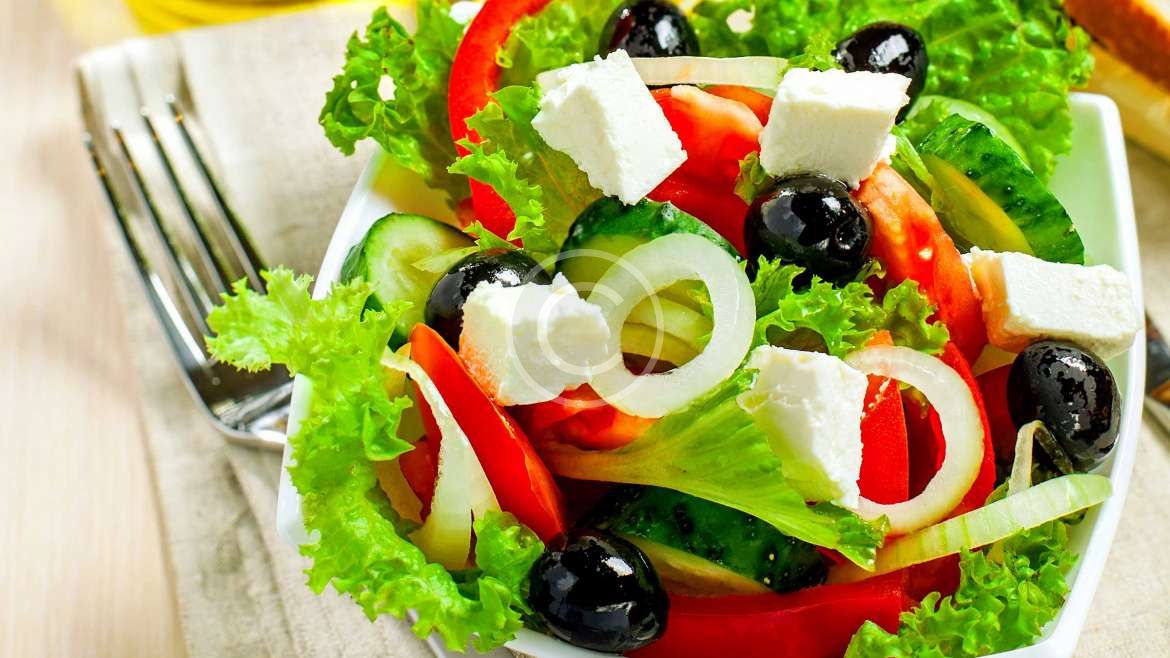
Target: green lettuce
[563,33]
[1006,595]
[541,185]
[839,319]
[1016,59]
[410,124]
[361,547]
[713,450]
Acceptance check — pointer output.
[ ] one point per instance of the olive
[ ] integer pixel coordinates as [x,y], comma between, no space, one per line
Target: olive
[811,221]
[1073,393]
[444,311]
[598,592]
[887,48]
[649,28]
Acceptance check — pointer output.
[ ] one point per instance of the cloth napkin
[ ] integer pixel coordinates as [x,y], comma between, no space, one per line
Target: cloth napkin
[257,88]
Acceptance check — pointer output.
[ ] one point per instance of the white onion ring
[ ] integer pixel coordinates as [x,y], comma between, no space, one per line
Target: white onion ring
[647,269]
[962,431]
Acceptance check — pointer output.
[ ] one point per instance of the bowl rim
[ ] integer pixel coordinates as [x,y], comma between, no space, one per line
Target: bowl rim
[1060,641]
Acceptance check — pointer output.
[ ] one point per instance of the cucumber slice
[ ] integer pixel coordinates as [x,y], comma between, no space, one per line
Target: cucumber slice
[608,229]
[701,547]
[386,258]
[987,196]
[974,113]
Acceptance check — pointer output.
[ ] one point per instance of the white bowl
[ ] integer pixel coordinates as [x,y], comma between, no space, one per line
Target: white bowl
[1093,183]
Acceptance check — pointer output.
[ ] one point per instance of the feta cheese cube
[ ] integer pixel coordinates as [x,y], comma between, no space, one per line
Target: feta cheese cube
[602,115]
[810,405]
[527,344]
[1026,299]
[832,122]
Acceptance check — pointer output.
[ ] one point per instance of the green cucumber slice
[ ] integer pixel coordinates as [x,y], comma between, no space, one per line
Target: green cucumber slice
[386,258]
[701,547]
[987,196]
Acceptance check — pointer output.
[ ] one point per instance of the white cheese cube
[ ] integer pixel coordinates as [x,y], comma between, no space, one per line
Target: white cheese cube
[602,115]
[527,344]
[1026,299]
[832,122]
[810,405]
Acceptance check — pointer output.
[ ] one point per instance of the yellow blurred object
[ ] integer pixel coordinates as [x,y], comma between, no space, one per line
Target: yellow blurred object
[156,16]
[1144,105]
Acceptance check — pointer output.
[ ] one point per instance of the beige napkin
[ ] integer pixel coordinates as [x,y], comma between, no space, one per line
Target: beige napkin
[257,88]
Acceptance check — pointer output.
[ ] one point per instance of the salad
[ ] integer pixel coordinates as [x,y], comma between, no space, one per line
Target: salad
[759,332]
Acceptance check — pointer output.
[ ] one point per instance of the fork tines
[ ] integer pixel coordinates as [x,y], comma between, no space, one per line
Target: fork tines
[186,243]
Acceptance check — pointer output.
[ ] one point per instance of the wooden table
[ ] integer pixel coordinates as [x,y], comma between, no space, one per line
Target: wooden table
[82,571]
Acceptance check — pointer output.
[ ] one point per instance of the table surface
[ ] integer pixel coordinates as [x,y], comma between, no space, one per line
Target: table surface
[83,571]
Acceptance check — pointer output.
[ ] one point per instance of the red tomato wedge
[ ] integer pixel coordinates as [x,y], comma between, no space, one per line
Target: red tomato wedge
[474,76]
[985,481]
[581,418]
[717,133]
[885,456]
[910,241]
[993,385]
[813,623]
[521,482]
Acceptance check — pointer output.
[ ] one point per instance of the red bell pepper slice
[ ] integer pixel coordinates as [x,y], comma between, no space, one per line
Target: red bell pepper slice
[885,456]
[910,241]
[474,76]
[420,467]
[717,133]
[521,482]
[985,482]
[812,623]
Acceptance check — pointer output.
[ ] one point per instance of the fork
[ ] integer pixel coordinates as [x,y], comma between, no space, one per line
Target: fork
[185,242]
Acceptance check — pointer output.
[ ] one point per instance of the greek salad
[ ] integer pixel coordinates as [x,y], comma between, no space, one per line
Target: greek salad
[759,332]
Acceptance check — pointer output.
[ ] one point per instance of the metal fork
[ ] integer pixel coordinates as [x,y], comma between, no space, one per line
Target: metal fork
[185,242]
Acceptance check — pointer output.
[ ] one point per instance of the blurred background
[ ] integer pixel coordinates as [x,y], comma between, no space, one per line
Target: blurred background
[82,566]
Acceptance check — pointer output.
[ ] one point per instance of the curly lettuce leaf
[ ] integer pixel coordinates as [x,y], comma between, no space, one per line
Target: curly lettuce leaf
[393,90]
[542,186]
[361,547]
[1007,594]
[713,450]
[1016,59]
[839,319]
[563,33]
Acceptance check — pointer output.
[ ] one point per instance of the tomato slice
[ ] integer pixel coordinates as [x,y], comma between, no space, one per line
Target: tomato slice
[993,385]
[910,241]
[581,418]
[885,455]
[474,76]
[521,482]
[717,133]
[759,104]
[985,481]
[813,623]
[420,467]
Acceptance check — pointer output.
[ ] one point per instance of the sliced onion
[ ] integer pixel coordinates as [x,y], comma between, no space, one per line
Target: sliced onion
[1037,505]
[462,490]
[757,72]
[962,432]
[1021,477]
[642,272]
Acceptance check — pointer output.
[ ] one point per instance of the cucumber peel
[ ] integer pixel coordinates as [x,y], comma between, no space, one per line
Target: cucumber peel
[988,197]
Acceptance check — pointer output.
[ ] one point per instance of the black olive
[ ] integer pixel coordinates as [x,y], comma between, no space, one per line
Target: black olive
[887,48]
[599,592]
[444,312]
[649,28]
[1073,393]
[811,221]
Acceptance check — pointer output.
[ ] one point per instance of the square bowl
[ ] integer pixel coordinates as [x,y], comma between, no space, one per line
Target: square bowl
[1093,183]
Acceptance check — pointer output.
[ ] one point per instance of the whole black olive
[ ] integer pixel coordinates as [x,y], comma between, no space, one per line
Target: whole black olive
[1073,393]
[444,311]
[811,221]
[887,48]
[599,592]
[649,28]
